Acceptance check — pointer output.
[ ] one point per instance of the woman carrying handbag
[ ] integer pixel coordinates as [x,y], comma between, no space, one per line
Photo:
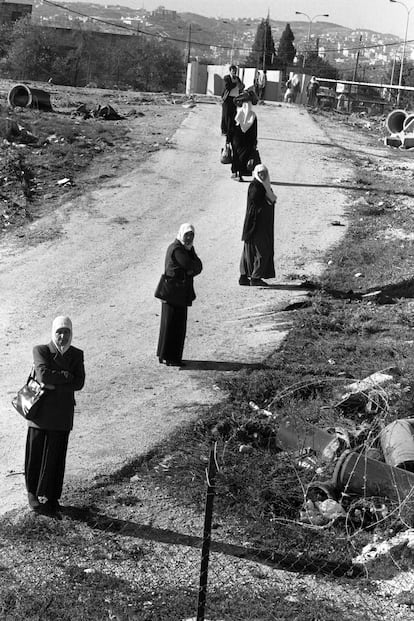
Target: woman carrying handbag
[181,265]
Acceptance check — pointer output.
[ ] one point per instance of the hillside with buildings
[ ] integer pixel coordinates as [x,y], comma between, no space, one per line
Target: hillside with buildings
[218,40]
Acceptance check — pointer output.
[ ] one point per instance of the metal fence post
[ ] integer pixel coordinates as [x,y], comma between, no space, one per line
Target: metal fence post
[208,516]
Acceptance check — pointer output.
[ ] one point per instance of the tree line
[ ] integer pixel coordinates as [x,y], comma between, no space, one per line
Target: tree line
[32,52]
[79,57]
[264,54]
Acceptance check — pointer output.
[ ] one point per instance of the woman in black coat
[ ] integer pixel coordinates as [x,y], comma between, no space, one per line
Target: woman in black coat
[59,366]
[257,260]
[181,264]
[233,86]
[244,137]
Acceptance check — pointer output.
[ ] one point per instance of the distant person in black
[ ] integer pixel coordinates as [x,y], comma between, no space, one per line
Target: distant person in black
[312,91]
[233,86]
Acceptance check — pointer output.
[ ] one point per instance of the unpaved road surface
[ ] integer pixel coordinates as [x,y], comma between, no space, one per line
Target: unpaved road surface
[104,260]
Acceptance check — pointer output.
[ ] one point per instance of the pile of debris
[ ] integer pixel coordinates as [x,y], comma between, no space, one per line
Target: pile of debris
[400,125]
[362,469]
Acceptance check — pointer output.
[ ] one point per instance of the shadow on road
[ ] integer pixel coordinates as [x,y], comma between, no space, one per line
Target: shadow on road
[215,365]
[339,186]
[318,144]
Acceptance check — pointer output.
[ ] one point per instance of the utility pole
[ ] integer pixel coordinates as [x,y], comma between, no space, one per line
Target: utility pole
[354,77]
[189,44]
[264,45]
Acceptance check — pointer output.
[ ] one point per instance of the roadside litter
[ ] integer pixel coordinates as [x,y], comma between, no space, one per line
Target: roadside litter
[362,470]
[106,112]
[400,125]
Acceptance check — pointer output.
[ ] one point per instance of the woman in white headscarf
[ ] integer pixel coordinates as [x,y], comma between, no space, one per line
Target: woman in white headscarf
[59,367]
[181,265]
[257,260]
[244,137]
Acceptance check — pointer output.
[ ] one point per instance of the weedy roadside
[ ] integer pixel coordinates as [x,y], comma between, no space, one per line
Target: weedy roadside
[128,545]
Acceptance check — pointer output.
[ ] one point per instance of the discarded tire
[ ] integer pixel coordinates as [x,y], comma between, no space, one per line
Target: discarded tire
[27,97]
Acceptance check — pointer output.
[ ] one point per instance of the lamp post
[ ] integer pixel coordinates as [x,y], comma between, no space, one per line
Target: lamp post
[311,20]
[404,45]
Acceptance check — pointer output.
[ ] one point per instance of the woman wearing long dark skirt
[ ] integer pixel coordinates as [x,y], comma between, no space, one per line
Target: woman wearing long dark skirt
[181,264]
[59,366]
[244,139]
[257,260]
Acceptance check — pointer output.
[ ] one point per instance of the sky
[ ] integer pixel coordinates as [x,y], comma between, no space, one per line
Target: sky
[379,15]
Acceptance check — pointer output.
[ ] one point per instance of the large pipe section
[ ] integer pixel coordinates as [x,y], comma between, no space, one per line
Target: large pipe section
[395,121]
[357,474]
[28,97]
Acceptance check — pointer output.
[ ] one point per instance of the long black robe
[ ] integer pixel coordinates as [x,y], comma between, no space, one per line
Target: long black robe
[229,108]
[182,264]
[244,146]
[257,260]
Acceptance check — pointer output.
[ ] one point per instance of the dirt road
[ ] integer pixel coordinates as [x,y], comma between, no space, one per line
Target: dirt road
[103,263]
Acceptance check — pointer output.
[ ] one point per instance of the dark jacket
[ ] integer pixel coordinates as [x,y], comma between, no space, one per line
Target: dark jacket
[183,264]
[256,201]
[229,85]
[66,373]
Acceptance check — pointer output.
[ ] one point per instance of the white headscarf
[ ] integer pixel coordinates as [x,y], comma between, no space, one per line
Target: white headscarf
[271,197]
[245,116]
[62,322]
[185,228]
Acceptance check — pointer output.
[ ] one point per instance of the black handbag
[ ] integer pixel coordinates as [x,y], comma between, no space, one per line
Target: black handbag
[226,154]
[28,398]
[172,290]
[253,161]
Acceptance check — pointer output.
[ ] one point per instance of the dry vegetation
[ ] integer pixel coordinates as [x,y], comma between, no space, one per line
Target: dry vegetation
[128,547]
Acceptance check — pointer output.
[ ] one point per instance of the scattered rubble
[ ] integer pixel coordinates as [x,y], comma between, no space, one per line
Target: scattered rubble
[400,125]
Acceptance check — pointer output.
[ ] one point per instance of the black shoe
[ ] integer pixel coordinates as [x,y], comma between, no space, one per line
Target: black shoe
[244,281]
[52,507]
[258,282]
[162,360]
[34,502]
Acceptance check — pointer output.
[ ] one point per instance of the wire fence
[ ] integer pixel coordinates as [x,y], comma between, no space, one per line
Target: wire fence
[318,566]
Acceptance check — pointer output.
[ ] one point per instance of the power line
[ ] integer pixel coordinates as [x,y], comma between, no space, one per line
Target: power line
[202,44]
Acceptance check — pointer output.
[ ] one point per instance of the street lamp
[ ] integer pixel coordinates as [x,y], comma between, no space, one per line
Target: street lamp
[404,45]
[311,20]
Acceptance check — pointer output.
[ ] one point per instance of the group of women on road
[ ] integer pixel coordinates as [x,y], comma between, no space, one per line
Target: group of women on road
[239,126]
[59,367]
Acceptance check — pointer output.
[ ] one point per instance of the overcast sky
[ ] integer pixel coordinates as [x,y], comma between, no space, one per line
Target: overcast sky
[379,15]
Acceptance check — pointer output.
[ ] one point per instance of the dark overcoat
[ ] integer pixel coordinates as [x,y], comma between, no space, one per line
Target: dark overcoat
[66,373]
[183,265]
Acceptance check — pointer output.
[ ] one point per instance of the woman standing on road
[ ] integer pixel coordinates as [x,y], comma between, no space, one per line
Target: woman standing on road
[244,137]
[257,260]
[59,366]
[181,265]
[233,86]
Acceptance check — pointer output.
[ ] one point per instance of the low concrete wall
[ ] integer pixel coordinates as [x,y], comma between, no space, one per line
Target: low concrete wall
[208,80]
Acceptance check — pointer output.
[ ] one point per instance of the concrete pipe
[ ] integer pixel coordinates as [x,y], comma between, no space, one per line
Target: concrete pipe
[397,443]
[395,121]
[28,97]
[357,474]
[408,125]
